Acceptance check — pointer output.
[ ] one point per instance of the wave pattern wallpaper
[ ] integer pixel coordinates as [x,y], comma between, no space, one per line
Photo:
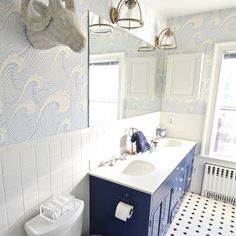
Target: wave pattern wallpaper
[42,92]
[199,33]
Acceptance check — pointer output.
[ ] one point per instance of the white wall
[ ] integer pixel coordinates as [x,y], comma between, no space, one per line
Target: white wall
[182,125]
[31,172]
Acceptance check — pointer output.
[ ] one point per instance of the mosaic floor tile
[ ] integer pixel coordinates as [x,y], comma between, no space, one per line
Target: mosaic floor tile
[201,216]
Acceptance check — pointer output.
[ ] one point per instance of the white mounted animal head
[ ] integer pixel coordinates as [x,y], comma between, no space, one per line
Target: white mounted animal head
[53,25]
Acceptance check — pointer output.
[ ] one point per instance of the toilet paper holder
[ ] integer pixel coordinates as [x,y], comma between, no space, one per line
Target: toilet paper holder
[127,198]
[124,207]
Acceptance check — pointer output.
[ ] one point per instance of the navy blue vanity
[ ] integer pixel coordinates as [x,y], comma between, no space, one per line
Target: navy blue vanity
[152,214]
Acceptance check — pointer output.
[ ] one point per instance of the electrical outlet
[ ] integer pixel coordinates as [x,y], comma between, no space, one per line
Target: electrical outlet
[171,120]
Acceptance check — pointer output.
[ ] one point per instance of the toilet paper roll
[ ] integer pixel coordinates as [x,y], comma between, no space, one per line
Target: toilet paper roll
[124,211]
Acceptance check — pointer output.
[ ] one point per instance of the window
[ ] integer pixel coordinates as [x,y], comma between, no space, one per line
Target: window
[105,88]
[223,138]
[219,137]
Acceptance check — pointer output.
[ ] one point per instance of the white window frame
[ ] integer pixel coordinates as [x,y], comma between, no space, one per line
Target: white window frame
[213,100]
[106,57]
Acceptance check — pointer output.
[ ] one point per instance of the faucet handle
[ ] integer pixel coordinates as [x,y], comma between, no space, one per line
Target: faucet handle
[163,132]
[112,162]
[121,157]
[158,131]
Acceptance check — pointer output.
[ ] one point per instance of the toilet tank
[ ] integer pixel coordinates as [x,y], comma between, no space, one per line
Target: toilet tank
[68,225]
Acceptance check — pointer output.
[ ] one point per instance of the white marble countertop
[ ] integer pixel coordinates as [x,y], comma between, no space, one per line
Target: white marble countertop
[165,160]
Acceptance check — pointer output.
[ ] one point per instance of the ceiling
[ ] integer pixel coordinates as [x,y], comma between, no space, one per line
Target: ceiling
[173,8]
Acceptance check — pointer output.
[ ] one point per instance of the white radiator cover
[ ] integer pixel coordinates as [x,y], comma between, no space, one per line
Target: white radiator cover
[219,183]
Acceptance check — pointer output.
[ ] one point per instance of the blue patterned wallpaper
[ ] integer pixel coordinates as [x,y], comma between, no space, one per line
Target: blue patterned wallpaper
[198,33]
[119,40]
[42,93]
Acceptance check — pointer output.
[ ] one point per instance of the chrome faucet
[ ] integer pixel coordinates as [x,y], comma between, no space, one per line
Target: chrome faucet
[112,161]
[160,132]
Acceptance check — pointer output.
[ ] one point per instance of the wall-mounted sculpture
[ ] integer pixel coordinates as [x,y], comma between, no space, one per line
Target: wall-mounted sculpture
[53,25]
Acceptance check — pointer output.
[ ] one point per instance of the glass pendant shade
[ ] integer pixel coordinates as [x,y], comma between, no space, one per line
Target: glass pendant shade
[99,26]
[127,15]
[166,40]
[146,48]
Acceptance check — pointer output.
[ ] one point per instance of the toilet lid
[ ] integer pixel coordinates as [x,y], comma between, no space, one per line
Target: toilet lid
[40,226]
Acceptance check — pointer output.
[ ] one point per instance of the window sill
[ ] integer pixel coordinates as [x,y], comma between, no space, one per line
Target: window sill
[219,158]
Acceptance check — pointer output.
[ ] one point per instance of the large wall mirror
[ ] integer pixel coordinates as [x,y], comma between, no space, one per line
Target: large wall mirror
[123,74]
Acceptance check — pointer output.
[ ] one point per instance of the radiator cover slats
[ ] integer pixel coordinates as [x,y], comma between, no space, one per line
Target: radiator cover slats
[219,183]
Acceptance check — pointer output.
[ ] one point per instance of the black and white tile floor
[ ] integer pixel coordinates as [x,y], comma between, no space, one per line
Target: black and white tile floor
[201,216]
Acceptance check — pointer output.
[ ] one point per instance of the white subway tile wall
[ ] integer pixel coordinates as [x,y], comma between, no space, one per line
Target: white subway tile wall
[32,172]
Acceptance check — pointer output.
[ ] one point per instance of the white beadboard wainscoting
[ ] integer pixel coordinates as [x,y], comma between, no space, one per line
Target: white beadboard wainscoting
[33,171]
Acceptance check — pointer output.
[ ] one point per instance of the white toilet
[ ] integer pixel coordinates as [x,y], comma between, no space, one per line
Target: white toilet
[68,225]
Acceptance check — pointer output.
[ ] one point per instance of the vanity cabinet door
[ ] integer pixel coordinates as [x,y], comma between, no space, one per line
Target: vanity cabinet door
[156,220]
[161,214]
[189,169]
[177,194]
[182,180]
[165,217]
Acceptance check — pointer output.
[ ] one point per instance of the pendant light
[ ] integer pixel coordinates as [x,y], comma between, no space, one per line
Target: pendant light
[166,40]
[145,47]
[99,26]
[127,15]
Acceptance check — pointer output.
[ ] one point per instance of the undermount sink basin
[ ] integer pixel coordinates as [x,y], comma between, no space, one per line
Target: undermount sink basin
[139,168]
[170,143]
